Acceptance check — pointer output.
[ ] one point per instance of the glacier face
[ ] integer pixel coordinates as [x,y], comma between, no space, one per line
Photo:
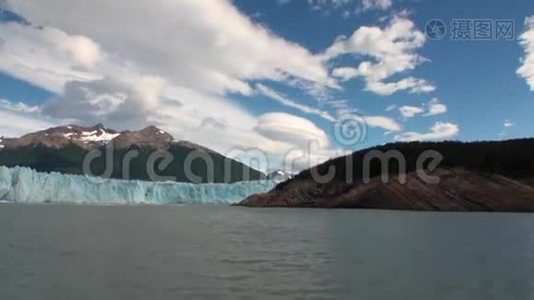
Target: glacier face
[28,186]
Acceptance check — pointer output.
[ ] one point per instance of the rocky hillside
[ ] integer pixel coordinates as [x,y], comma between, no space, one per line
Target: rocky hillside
[63,149]
[480,176]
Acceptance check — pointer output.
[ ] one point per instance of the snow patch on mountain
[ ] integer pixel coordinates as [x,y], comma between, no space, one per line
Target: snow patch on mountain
[100,136]
[279,175]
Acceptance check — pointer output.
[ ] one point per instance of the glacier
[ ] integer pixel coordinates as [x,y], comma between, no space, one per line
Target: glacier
[24,185]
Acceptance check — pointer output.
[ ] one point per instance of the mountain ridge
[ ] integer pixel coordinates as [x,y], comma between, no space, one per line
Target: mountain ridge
[63,149]
[474,176]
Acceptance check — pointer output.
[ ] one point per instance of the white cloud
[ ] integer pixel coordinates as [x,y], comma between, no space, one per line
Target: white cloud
[46,57]
[392,51]
[439,131]
[123,99]
[288,128]
[363,5]
[176,73]
[376,4]
[120,103]
[207,45]
[18,107]
[526,39]
[433,108]
[508,124]
[382,122]
[414,85]
[17,119]
[270,93]
[343,112]
[180,72]
[345,73]
[410,111]
[321,4]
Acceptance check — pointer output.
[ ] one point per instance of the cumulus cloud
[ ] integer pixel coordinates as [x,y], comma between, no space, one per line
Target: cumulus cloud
[413,85]
[208,45]
[46,56]
[392,50]
[408,111]
[433,108]
[117,103]
[382,122]
[526,40]
[439,131]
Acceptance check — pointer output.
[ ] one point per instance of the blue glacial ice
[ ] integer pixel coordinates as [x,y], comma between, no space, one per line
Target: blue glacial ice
[28,186]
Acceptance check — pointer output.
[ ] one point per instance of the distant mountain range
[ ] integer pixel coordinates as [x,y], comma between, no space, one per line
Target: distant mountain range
[477,176]
[63,149]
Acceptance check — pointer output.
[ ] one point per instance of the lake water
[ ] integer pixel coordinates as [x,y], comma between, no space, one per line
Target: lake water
[214,252]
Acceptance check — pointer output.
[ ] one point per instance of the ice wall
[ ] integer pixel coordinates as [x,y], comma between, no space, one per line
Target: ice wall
[28,186]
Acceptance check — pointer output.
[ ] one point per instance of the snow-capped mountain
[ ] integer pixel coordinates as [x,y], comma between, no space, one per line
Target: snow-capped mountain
[58,137]
[97,136]
[64,148]
[91,137]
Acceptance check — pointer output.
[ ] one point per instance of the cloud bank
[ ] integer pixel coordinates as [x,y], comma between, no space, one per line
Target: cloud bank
[526,40]
[183,72]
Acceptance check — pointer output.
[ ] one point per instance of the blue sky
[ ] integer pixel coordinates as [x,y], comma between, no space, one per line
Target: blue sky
[272,75]
[477,80]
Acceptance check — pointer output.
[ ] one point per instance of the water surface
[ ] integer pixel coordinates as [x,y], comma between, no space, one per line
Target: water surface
[214,252]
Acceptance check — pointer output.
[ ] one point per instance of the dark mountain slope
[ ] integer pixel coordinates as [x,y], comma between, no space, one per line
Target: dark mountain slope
[482,176]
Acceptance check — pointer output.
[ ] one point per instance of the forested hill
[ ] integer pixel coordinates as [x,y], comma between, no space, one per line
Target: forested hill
[487,176]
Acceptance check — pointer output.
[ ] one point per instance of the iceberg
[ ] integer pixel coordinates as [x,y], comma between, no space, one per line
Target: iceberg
[24,185]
